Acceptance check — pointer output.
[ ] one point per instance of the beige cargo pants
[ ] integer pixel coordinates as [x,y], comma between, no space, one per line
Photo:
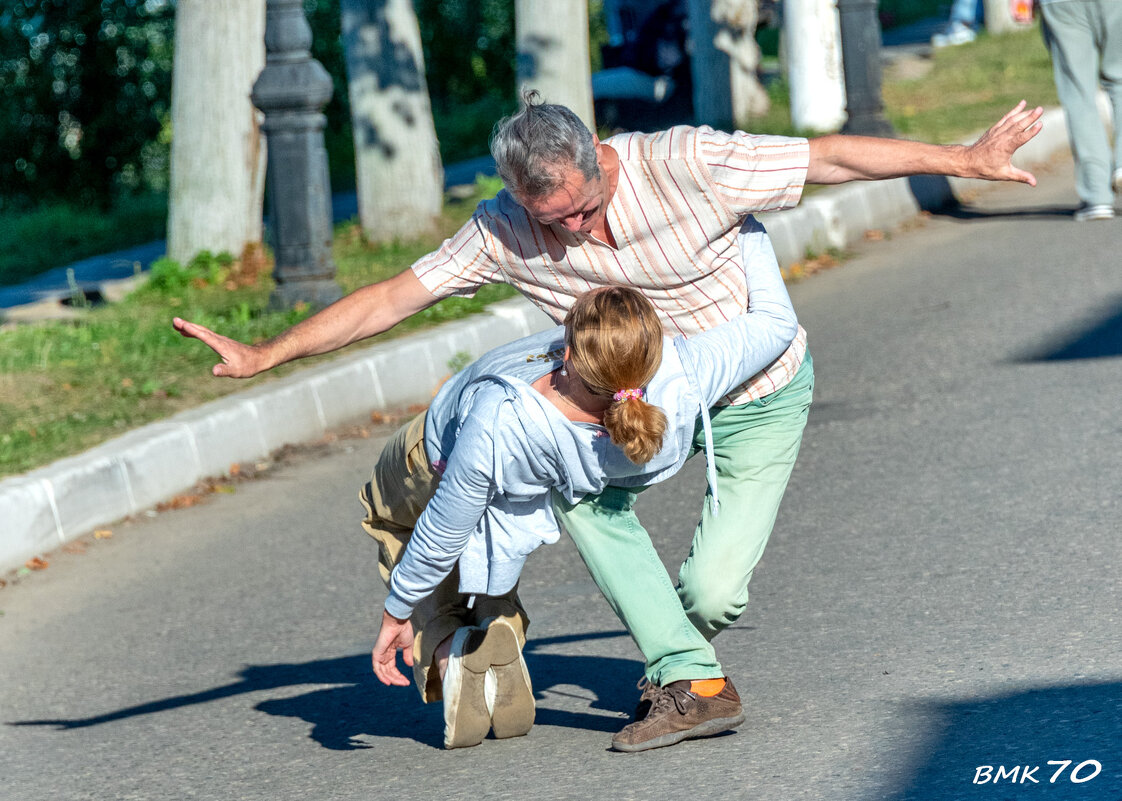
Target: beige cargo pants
[400,487]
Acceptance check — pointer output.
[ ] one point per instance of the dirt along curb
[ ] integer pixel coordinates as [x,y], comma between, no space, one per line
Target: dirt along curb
[46,508]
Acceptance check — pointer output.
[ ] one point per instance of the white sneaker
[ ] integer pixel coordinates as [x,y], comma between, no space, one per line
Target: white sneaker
[956,33]
[1088,212]
[466,718]
[1116,181]
[507,690]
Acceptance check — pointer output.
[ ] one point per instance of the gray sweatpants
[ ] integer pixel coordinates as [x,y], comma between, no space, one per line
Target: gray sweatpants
[1085,39]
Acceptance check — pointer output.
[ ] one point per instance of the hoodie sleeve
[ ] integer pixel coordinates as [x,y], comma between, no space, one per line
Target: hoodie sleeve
[726,356]
[447,523]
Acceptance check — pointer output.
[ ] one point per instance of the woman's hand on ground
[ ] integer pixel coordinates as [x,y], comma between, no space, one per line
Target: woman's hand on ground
[395,635]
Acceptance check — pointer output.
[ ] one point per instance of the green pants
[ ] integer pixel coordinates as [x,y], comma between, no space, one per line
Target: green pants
[1085,40]
[755,446]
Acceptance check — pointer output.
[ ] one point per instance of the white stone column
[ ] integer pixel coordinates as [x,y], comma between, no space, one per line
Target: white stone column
[814,65]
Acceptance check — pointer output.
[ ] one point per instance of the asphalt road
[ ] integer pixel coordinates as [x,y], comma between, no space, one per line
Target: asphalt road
[941,593]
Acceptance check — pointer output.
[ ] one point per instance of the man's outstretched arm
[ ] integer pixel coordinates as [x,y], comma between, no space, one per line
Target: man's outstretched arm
[836,159]
[361,314]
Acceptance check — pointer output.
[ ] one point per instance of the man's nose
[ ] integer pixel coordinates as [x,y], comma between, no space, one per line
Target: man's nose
[571,223]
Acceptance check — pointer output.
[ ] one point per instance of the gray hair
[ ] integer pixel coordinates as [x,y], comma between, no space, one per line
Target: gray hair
[536,146]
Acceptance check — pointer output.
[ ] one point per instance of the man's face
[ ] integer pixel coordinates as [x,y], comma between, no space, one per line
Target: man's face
[577,205]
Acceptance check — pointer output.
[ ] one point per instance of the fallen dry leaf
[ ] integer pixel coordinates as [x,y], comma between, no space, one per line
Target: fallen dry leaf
[386,418]
[873,235]
[74,547]
[235,469]
[36,563]
[180,502]
[102,534]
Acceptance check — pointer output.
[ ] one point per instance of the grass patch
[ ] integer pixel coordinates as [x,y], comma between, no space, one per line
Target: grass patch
[37,240]
[966,90]
[971,85]
[65,387]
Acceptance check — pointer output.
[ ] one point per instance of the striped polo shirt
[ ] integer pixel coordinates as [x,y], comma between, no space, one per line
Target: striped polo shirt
[681,197]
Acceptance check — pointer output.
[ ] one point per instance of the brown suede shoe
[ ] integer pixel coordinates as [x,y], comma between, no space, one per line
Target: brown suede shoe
[646,698]
[677,714]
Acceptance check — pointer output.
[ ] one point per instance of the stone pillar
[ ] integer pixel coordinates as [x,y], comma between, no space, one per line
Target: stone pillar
[814,64]
[998,16]
[860,36]
[292,91]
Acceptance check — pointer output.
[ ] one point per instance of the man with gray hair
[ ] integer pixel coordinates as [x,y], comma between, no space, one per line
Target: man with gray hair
[660,212]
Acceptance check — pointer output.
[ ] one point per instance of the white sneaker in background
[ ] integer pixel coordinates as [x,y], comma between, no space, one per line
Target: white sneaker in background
[1088,212]
[956,33]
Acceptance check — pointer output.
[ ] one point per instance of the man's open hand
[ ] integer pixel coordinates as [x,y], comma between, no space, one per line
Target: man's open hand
[991,156]
[395,635]
[238,359]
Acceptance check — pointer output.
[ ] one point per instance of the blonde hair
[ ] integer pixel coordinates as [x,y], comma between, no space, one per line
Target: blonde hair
[615,344]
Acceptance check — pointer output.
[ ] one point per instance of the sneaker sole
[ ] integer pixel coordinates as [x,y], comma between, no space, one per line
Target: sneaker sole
[705,729]
[1094,216]
[509,694]
[466,719]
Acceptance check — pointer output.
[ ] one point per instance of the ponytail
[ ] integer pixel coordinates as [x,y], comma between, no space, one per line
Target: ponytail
[636,426]
[615,344]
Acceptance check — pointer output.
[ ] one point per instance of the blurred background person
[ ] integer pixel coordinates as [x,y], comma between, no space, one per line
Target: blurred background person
[1085,39]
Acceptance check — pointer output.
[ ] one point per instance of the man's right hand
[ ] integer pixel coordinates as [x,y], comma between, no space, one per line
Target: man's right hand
[238,359]
[363,313]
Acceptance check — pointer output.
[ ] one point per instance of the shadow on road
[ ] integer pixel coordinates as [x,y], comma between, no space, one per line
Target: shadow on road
[1081,723]
[342,716]
[933,193]
[1100,340]
[968,213]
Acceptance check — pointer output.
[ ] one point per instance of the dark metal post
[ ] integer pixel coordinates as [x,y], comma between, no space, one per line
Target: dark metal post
[292,91]
[860,37]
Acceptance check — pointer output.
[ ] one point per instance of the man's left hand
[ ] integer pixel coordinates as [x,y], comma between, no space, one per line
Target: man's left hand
[991,156]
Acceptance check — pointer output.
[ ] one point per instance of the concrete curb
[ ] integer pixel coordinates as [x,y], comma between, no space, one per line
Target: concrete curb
[46,508]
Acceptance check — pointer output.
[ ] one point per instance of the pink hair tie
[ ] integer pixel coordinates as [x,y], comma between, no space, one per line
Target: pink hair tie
[624,394]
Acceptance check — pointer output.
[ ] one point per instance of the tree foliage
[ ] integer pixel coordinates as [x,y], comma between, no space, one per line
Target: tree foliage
[84,88]
[469,49]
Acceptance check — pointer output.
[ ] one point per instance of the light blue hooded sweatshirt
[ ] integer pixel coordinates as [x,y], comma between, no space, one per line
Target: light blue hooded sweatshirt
[501,447]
